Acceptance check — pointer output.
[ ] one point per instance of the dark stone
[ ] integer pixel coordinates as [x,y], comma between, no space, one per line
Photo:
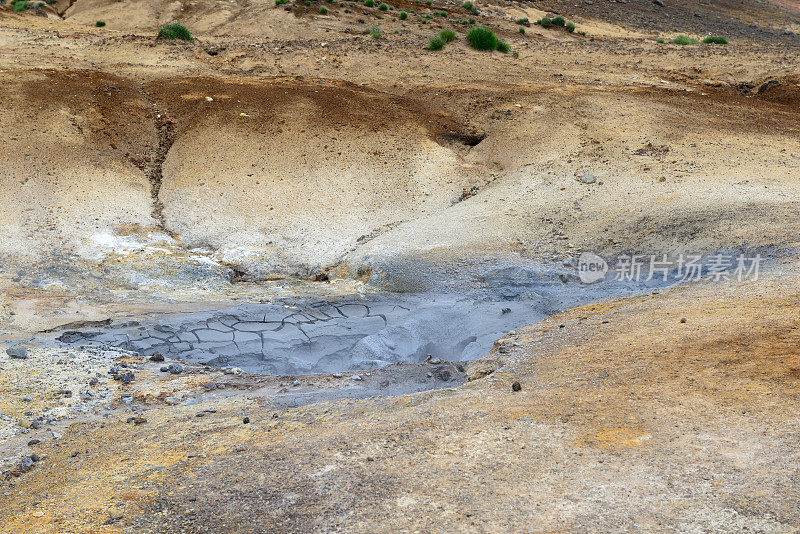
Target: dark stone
[246,420]
[156,357]
[516,386]
[175,368]
[659,3]
[18,353]
[33,442]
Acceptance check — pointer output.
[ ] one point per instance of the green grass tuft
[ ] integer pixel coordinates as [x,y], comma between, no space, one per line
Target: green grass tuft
[174,31]
[482,38]
[715,40]
[100,23]
[436,43]
[559,21]
[524,21]
[544,22]
[503,47]
[570,26]
[374,30]
[684,40]
[448,35]
[403,15]
[323,10]
[384,7]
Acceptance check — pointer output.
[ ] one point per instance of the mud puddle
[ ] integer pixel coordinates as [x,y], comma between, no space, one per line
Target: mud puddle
[363,332]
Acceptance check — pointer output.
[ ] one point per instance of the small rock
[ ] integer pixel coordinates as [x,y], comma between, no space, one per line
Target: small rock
[232,371]
[114,514]
[434,361]
[659,3]
[296,383]
[588,178]
[246,420]
[175,368]
[683,319]
[156,357]
[516,386]
[93,382]
[337,375]
[18,353]
[33,442]
[356,377]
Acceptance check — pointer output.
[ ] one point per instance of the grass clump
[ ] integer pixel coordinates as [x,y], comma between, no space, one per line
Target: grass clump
[503,47]
[715,40]
[559,21]
[570,26]
[523,21]
[448,35]
[440,13]
[436,43]
[20,5]
[403,15]
[544,22]
[281,2]
[384,7]
[521,30]
[374,30]
[369,3]
[482,38]
[684,40]
[323,10]
[100,23]
[660,40]
[175,31]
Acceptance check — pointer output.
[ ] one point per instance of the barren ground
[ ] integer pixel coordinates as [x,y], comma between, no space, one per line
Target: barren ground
[285,154]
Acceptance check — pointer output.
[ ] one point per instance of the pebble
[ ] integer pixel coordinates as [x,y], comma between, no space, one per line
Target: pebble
[356,377]
[588,178]
[156,357]
[33,442]
[246,420]
[516,386]
[18,353]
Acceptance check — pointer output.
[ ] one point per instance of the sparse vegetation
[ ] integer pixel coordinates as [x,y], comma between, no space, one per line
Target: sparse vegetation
[544,22]
[448,35]
[570,26]
[323,10]
[503,47]
[715,40]
[482,38]
[436,43]
[174,31]
[280,2]
[521,30]
[100,23]
[684,40]
[374,30]
[524,21]
[440,13]
[403,15]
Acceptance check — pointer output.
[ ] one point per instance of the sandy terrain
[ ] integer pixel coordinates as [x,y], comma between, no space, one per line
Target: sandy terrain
[287,154]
